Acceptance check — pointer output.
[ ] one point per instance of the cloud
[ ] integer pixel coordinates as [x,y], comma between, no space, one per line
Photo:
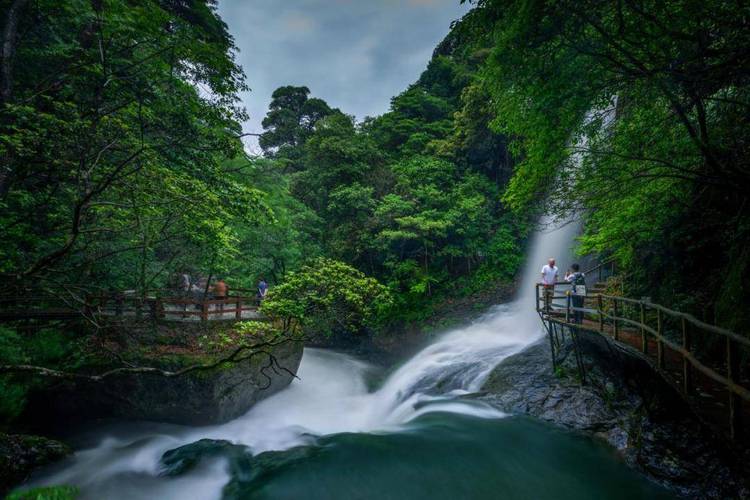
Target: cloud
[299,23]
[354,54]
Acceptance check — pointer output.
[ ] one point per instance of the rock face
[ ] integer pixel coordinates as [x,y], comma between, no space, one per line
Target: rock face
[626,404]
[196,398]
[20,455]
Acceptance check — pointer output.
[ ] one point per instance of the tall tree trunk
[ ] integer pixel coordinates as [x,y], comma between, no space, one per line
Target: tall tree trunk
[7,51]
[9,48]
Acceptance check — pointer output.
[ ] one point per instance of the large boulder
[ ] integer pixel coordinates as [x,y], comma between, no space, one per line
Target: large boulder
[198,397]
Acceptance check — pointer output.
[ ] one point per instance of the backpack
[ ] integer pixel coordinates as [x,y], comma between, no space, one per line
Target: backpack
[579,284]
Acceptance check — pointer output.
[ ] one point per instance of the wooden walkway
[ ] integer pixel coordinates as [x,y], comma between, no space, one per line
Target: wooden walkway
[708,366]
[128,306]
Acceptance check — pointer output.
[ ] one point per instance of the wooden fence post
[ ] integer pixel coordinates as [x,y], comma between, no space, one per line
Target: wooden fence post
[204,310]
[687,374]
[567,307]
[735,404]
[552,335]
[659,344]
[601,312]
[644,339]
[615,314]
[238,313]
[119,300]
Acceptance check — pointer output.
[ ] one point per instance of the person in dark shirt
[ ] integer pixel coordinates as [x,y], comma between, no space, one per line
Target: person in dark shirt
[576,278]
[262,290]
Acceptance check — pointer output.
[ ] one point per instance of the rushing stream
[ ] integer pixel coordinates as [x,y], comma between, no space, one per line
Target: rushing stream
[331,435]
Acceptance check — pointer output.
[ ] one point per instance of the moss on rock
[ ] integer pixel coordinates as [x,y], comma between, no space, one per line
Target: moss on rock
[20,455]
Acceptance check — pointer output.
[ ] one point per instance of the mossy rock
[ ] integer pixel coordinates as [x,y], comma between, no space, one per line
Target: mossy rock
[21,454]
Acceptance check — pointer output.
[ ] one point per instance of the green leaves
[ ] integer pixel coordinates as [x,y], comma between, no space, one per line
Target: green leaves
[412,196]
[115,138]
[325,296]
[291,119]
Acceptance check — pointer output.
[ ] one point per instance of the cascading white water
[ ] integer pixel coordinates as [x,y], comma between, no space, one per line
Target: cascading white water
[330,397]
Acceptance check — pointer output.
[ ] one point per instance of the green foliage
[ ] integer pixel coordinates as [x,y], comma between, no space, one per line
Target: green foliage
[411,197]
[326,296]
[115,158]
[47,346]
[242,333]
[46,493]
[660,182]
[292,116]
[269,246]
[14,392]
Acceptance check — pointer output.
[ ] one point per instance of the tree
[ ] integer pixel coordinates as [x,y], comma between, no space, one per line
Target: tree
[105,135]
[326,296]
[291,119]
[668,164]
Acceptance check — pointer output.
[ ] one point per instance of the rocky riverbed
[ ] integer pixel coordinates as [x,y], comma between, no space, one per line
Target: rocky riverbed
[200,397]
[625,404]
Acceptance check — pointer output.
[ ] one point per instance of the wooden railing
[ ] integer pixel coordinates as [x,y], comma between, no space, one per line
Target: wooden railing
[717,353]
[157,305]
[603,270]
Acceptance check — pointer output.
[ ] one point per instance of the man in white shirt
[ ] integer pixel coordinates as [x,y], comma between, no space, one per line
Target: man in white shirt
[549,272]
[549,277]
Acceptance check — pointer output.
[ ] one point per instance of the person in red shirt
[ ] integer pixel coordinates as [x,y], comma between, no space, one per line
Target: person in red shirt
[220,289]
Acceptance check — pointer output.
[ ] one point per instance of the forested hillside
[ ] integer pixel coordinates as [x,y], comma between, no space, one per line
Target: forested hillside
[123,164]
[123,167]
[664,189]
[412,197]
[138,235]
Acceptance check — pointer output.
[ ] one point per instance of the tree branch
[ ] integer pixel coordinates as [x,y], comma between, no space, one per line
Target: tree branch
[238,355]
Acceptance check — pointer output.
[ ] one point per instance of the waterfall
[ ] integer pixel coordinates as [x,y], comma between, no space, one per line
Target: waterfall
[331,395]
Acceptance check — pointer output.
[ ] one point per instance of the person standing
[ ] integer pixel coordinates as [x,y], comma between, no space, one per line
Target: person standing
[549,278]
[185,283]
[220,293]
[262,290]
[578,279]
[220,289]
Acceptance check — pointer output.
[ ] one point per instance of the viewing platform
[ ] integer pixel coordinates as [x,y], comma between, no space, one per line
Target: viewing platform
[707,365]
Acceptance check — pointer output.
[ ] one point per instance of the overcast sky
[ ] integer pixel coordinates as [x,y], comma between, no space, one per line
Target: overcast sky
[355,54]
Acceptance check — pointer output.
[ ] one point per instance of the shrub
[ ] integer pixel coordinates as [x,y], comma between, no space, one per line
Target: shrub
[327,296]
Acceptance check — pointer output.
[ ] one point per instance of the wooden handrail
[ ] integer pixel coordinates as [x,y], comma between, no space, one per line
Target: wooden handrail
[737,389]
[552,312]
[119,305]
[688,317]
[599,265]
[675,314]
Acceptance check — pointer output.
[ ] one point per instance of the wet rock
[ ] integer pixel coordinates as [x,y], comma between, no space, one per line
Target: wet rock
[186,458]
[623,403]
[20,455]
[200,397]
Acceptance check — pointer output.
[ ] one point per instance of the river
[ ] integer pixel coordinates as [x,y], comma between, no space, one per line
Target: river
[346,430]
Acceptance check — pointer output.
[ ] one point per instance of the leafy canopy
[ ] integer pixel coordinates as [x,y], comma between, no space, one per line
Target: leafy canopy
[327,296]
